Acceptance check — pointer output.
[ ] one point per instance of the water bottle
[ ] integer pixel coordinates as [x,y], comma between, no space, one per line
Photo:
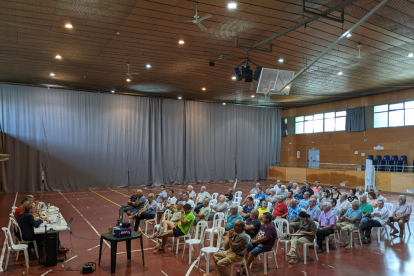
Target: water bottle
[58,220]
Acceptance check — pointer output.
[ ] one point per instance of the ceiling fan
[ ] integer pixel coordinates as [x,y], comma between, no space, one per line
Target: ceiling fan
[197,19]
[130,74]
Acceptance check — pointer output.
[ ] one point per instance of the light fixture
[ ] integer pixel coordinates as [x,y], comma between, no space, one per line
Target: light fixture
[410,55]
[112,91]
[252,96]
[340,73]
[128,80]
[281,60]
[69,26]
[148,65]
[233,78]
[287,87]
[224,103]
[232,5]
[180,98]
[58,56]
[247,73]
[52,74]
[181,42]
[204,89]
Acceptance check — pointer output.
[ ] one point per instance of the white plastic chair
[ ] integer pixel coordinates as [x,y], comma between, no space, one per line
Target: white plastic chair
[265,259]
[207,251]
[237,201]
[21,241]
[212,203]
[214,196]
[13,210]
[153,220]
[327,241]
[11,247]
[165,216]
[351,237]
[389,207]
[218,220]
[379,232]
[242,263]
[306,250]
[269,206]
[256,203]
[238,194]
[197,240]
[282,227]
[235,185]
[185,237]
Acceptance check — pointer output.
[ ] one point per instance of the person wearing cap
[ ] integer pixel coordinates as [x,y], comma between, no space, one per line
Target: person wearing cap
[307,229]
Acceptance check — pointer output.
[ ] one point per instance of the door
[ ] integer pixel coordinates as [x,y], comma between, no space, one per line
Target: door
[313,159]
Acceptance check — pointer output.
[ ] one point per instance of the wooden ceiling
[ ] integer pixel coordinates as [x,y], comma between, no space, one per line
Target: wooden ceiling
[107,34]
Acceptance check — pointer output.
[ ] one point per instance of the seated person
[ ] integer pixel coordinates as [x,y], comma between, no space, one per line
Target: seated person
[304,203]
[377,218]
[280,208]
[379,196]
[170,201]
[161,197]
[294,188]
[326,196]
[263,210]
[308,228]
[221,206]
[352,195]
[366,209]
[283,191]
[290,185]
[289,197]
[349,222]
[127,207]
[149,211]
[200,197]
[335,193]
[359,191]
[267,192]
[334,209]
[372,199]
[293,216]
[260,195]
[188,200]
[172,222]
[204,212]
[253,224]
[138,204]
[254,190]
[317,201]
[228,227]
[316,187]
[299,194]
[313,210]
[343,204]
[327,225]
[180,197]
[27,222]
[20,209]
[277,186]
[401,215]
[237,245]
[181,229]
[272,198]
[229,196]
[247,208]
[191,193]
[308,189]
[264,241]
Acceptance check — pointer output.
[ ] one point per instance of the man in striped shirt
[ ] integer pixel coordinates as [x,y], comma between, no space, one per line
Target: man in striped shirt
[401,215]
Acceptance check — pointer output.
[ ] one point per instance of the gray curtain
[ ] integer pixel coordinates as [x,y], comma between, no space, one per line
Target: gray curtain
[87,140]
[355,119]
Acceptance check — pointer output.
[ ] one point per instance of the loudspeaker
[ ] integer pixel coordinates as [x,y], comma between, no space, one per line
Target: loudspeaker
[51,247]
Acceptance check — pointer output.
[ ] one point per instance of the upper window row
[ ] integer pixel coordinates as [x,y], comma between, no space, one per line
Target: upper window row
[394,115]
[323,122]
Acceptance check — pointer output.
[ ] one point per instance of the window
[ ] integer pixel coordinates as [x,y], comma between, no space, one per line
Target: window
[322,122]
[394,115]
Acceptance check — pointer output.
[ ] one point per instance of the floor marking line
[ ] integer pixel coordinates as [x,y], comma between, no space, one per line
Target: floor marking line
[136,250]
[105,198]
[46,272]
[118,192]
[87,221]
[4,244]
[164,273]
[93,248]
[70,259]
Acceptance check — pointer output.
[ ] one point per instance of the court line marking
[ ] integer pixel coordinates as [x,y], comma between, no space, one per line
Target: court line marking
[70,259]
[87,221]
[137,250]
[93,248]
[164,273]
[118,192]
[105,198]
[4,244]
[46,272]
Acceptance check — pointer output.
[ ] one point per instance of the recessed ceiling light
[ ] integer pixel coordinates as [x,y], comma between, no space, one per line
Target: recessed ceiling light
[348,35]
[232,5]
[233,78]
[58,56]
[112,91]
[204,89]
[180,98]
[287,87]
[281,60]
[52,74]
[340,73]
[410,55]
[181,42]
[252,96]
[69,26]
[224,103]
[148,65]
[128,80]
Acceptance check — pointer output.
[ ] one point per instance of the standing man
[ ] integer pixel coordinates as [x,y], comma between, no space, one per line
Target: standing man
[401,215]
[201,196]
[327,225]
[148,212]
[378,218]
[349,222]
[247,208]
[238,241]
[191,193]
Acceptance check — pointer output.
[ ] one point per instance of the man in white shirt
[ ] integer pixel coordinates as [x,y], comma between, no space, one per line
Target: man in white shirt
[343,204]
[334,209]
[378,218]
[254,190]
[188,200]
[201,196]
[379,196]
[191,193]
[221,206]
[170,201]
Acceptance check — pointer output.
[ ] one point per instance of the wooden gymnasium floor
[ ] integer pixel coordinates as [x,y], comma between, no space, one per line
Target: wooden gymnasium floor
[95,210]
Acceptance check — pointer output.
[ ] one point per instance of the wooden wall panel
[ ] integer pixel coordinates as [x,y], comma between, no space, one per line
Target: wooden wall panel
[400,182]
[383,181]
[295,173]
[278,172]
